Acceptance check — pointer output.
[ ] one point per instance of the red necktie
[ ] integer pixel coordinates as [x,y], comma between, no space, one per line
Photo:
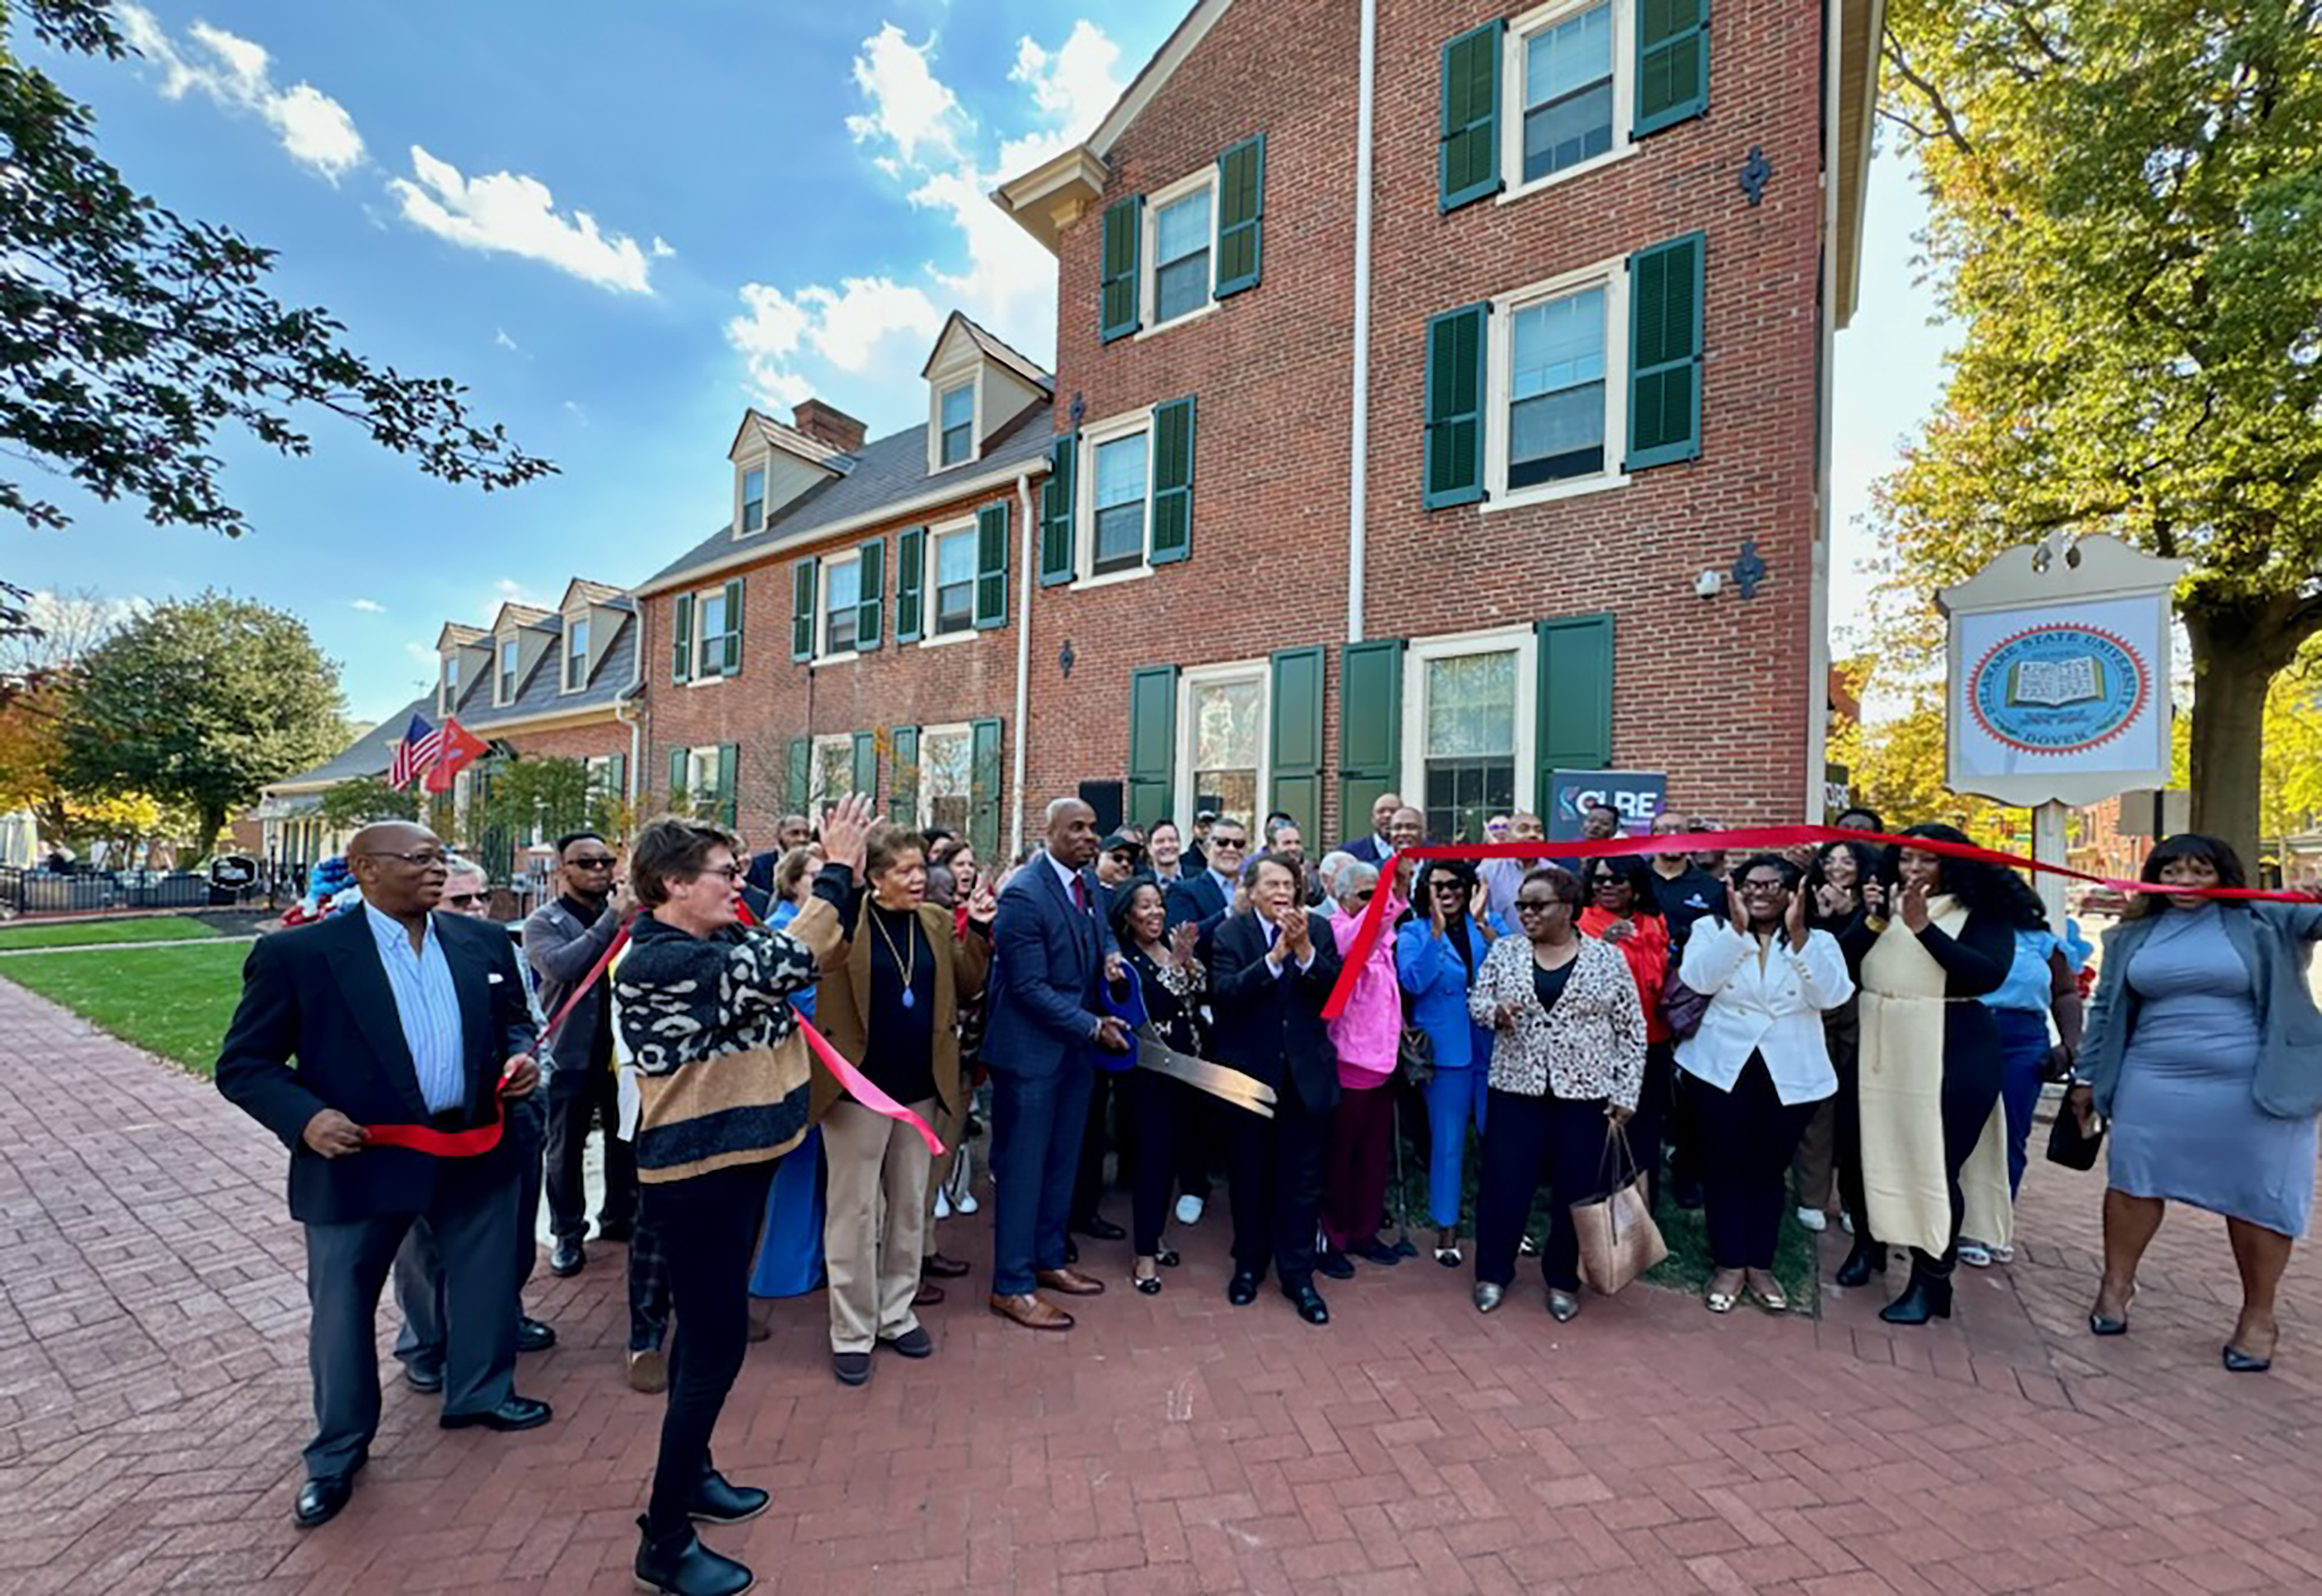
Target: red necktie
[1080,895]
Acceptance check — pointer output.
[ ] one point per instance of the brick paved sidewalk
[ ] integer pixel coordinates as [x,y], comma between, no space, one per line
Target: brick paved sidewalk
[153,1398]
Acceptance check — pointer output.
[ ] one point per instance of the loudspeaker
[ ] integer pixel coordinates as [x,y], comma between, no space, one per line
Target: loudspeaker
[1104,797]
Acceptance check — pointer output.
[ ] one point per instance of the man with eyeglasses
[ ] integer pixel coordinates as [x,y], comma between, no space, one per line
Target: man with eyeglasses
[564,941]
[400,1016]
[1207,898]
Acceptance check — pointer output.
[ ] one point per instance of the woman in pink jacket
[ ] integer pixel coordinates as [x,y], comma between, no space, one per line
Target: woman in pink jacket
[1354,1188]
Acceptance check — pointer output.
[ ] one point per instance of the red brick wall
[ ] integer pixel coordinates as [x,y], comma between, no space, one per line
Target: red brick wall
[587,741]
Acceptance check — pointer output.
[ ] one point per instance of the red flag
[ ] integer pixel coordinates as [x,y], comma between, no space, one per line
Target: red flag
[459,746]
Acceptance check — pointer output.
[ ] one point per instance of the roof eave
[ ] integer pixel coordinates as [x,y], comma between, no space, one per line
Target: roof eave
[1861,24]
[1052,196]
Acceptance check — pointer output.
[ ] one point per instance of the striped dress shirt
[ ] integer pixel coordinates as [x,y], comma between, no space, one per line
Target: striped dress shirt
[428,1005]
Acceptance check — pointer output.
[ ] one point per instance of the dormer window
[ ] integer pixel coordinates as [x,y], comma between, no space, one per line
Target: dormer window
[753,499]
[958,423]
[506,692]
[576,653]
[450,679]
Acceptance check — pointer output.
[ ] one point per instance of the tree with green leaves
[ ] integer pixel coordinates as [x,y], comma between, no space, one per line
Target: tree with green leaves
[2125,199]
[201,701]
[356,803]
[129,337]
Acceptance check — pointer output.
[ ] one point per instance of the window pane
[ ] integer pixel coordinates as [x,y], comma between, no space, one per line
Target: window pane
[1181,287]
[1182,227]
[945,765]
[958,442]
[959,406]
[955,608]
[1573,54]
[955,557]
[1569,132]
[1460,794]
[1556,420]
[1560,343]
[1228,732]
[1471,706]
[846,586]
[1120,471]
[1119,538]
[754,500]
[576,639]
[833,772]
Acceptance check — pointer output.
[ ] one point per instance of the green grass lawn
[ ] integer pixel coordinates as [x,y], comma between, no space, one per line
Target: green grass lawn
[173,1001]
[75,933]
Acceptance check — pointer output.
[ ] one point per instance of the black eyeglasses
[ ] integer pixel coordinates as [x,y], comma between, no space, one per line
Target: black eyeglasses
[732,873]
[1764,888]
[1537,906]
[590,861]
[463,899]
[1228,845]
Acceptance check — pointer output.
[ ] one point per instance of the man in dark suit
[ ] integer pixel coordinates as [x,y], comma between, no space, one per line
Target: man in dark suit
[397,1016]
[1205,897]
[1375,848]
[1051,953]
[1271,970]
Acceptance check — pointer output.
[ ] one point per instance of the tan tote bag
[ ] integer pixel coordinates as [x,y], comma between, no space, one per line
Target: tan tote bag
[1618,1239]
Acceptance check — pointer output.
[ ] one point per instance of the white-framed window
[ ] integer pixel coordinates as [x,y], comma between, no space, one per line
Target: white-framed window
[1567,69]
[576,653]
[949,582]
[842,599]
[1470,714]
[503,689]
[600,775]
[1555,422]
[753,499]
[1121,491]
[833,776]
[1221,742]
[956,419]
[1180,238]
[710,625]
[449,699]
[701,774]
[947,777]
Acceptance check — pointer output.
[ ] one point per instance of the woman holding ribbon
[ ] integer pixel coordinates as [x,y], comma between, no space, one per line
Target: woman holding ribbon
[1437,953]
[1171,984]
[893,1004]
[1366,1036]
[704,1009]
[2204,1051]
[1933,1136]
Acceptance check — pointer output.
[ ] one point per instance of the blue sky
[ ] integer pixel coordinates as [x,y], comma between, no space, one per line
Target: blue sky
[617,235]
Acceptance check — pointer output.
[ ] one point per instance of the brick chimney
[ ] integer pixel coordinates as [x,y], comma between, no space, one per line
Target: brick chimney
[829,425]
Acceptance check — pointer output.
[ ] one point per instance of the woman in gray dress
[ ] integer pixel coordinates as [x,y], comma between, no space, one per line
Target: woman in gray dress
[2204,1051]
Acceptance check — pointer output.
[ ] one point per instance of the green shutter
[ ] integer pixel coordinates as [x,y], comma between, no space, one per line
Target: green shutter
[1173,480]
[1576,698]
[984,788]
[867,763]
[991,565]
[903,789]
[1468,161]
[911,572]
[680,661]
[798,786]
[729,772]
[1117,309]
[1456,344]
[734,627]
[1152,744]
[677,762]
[802,592]
[1665,317]
[1294,708]
[1241,213]
[870,606]
[1057,511]
[1370,729]
[617,776]
[1672,62]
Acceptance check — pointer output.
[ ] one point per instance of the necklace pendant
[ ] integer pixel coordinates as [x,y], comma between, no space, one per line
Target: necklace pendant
[910,998]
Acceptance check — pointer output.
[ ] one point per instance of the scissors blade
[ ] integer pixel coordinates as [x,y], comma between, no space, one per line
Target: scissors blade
[1219,1081]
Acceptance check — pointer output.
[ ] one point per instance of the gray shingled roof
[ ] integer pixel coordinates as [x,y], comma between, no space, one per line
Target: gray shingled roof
[369,754]
[887,471]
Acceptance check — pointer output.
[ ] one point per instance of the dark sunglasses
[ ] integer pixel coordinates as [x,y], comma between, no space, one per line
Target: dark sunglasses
[463,899]
[590,861]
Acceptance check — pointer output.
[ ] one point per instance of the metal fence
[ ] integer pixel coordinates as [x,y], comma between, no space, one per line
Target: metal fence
[79,892]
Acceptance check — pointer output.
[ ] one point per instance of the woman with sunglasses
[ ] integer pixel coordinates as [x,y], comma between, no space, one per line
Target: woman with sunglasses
[1757,1065]
[1173,984]
[1365,1036]
[1437,953]
[1622,911]
[1564,1071]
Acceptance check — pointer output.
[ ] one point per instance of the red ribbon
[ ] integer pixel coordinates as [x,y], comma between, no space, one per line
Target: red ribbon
[1767,837]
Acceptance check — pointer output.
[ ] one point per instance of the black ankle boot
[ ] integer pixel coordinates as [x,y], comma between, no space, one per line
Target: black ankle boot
[718,1501]
[1925,1297]
[1867,1258]
[681,1566]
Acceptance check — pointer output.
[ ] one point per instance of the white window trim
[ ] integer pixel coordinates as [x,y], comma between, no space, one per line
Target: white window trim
[699,756]
[1511,73]
[502,676]
[447,684]
[1183,800]
[565,684]
[822,572]
[1613,276]
[924,800]
[928,637]
[971,378]
[1148,246]
[761,464]
[1111,430]
[1525,644]
[703,677]
[843,740]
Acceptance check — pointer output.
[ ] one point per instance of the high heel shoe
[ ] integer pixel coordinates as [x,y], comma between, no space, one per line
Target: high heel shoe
[1922,1299]
[1146,1285]
[1867,1259]
[2105,1324]
[2238,1362]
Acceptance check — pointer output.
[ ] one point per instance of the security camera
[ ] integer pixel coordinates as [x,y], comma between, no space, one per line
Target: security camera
[1709,583]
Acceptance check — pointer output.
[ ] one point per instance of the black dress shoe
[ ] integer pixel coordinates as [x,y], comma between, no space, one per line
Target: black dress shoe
[426,1381]
[943,1268]
[717,1501]
[1242,1289]
[320,1499]
[1336,1266]
[1867,1259]
[851,1368]
[1310,1305]
[615,1230]
[1072,1251]
[1374,1251]
[1167,1258]
[1097,1228]
[531,1336]
[681,1566]
[913,1343]
[1922,1299]
[567,1259]
[518,1413]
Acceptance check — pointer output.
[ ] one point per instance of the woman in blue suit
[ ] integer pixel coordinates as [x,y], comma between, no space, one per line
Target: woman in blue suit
[1437,953]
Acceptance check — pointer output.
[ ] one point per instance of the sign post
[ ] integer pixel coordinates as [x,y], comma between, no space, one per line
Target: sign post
[2059,692]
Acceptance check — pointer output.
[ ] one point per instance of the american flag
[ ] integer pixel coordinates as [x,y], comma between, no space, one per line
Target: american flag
[421,747]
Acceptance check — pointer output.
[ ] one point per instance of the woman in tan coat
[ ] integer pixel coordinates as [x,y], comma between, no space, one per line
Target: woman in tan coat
[891,1005]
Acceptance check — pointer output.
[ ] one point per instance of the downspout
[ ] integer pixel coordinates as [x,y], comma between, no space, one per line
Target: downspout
[1023,664]
[1360,432]
[626,711]
[1818,662]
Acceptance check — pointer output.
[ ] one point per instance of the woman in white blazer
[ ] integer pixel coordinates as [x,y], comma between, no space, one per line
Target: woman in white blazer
[1756,1066]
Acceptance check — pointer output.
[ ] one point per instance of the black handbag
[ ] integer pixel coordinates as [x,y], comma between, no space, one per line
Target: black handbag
[1415,1053]
[2069,1144]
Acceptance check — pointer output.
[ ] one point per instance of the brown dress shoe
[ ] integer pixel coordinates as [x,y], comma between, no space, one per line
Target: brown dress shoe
[1030,1312]
[943,1268]
[929,1295]
[648,1370]
[1072,1283]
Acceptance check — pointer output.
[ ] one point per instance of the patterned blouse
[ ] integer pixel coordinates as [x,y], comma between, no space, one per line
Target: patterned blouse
[1591,1045]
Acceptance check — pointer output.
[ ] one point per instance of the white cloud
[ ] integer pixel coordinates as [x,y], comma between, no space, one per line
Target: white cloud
[910,108]
[512,214]
[369,606]
[576,411]
[237,73]
[508,590]
[842,327]
[1077,83]
[500,337]
[424,653]
[662,248]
